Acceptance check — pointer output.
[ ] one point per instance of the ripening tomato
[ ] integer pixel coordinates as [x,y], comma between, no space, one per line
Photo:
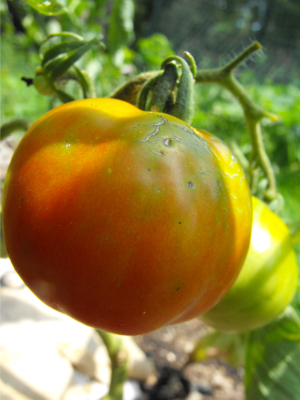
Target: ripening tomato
[267,282]
[125,220]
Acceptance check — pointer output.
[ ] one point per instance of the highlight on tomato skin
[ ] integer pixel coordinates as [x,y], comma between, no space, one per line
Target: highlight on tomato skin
[125,220]
[267,282]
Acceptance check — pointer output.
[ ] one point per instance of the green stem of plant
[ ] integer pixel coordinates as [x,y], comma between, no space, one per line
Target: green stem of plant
[118,358]
[259,154]
[253,115]
[240,58]
[248,359]
[83,79]
[20,124]
[86,83]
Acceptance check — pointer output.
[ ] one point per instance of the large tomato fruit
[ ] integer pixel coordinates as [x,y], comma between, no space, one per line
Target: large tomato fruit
[267,282]
[125,220]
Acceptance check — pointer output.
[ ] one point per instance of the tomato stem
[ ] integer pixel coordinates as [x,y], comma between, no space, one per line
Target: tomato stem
[240,58]
[20,124]
[84,80]
[259,154]
[253,115]
[118,357]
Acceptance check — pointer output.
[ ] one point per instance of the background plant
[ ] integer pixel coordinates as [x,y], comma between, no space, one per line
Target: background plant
[128,53]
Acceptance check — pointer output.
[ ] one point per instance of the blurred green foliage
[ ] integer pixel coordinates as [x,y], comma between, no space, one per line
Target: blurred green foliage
[17,100]
[153,50]
[273,362]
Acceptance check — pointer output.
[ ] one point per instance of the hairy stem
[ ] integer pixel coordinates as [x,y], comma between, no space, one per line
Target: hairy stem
[259,154]
[253,115]
[118,358]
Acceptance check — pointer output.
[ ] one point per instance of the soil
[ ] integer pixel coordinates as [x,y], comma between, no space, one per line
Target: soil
[209,379]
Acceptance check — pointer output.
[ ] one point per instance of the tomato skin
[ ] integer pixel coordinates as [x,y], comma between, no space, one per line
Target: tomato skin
[267,282]
[125,220]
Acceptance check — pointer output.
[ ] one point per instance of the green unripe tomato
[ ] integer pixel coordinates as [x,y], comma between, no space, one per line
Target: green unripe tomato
[41,83]
[267,282]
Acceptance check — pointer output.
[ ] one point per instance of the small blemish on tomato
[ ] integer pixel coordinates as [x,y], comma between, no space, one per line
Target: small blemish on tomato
[109,170]
[179,223]
[118,284]
[190,185]
[178,288]
[149,169]
[67,144]
[167,142]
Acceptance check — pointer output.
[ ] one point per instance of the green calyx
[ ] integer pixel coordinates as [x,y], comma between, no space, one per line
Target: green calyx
[171,91]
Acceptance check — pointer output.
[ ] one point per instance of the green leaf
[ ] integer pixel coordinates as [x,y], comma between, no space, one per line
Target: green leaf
[273,358]
[60,49]
[52,64]
[121,30]
[64,35]
[47,7]
[60,57]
